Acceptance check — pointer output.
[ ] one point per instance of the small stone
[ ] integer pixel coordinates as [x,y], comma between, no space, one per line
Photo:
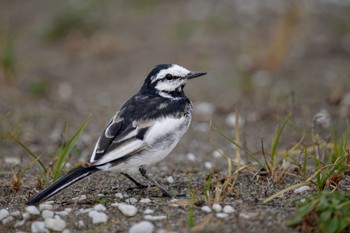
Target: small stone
[8,219]
[206,209]
[47,214]
[99,207]
[68,210]
[221,215]
[12,160]
[217,207]
[145,200]
[32,210]
[191,157]
[208,165]
[148,211]
[228,209]
[302,189]
[26,216]
[55,224]
[127,210]
[119,195]
[217,153]
[66,231]
[38,227]
[81,198]
[154,218]
[142,227]
[20,223]
[131,200]
[62,213]
[81,224]
[16,213]
[323,118]
[98,217]
[125,195]
[100,195]
[3,214]
[231,120]
[45,206]
[116,204]
[170,179]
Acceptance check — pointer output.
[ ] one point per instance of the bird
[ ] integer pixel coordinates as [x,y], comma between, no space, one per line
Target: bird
[142,133]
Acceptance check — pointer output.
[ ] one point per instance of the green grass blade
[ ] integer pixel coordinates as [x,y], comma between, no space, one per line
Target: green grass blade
[36,158]
[67,149]
[277,137]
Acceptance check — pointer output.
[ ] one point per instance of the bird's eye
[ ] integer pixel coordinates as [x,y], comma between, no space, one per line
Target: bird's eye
[169,77]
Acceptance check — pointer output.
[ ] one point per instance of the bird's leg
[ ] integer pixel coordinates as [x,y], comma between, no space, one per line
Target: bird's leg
[138,185]
[144,174]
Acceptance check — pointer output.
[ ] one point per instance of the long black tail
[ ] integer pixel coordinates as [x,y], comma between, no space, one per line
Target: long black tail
[64,182]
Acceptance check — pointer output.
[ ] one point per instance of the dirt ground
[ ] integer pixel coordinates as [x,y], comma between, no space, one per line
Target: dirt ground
[64,60]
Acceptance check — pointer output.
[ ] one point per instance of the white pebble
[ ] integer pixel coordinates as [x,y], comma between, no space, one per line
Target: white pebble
[45,206]
[100,195]
[65,231]
[217,207]
[68,210]
[81,198]
[228,209]
[8,219]
[206,209]
[99,207]
[191,157]
[217,153]
[20,223]
[47,214]
[131,200]
[116,204]
[32,210]
[119,195]
[142,227]
[55,224]
[231,120]
[98,217]
[145,200]
[154,218]
[15,213]
[12,160]
[170,179]
[221,215]
[148,211]
[302,200]
[301,189]
[81,224]
[38,227]
[323,118]
[208,165]
[26,216]
[3,214]
[128,210]
[62,213]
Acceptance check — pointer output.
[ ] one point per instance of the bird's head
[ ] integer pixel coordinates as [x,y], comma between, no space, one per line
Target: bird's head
[169,78]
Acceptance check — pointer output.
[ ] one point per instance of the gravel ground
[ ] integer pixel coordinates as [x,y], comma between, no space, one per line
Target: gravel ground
[266,58]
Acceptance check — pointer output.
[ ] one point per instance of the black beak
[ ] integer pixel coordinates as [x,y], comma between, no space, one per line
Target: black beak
[193,74]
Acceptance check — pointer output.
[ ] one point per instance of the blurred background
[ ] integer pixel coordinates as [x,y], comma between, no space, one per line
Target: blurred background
[63,60]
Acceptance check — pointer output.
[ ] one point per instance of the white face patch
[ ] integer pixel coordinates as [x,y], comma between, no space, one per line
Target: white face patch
[171,85]
[174,70]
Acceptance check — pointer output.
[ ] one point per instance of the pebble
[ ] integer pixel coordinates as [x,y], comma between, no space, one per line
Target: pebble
[323,118]
[68,210]
[119,195]
[20,223]
[228,209]
[62,213]
[154,218]
[191,157]
[170,179]
[12,160]
[65,231]
[81,224]
[208,165]
[32,210]
[142,227]
[301,189]
[128,210]
[148,211]
[221,215]
[8,219]
[16,213]
[145,200]
[131,200]
[116,204]
[217,153]
[26,216]
[3,214]
[38,227]
[206,209]
[100,195]
[45,206]
[47,214]
[98,217]
[81,198]
[99,207]
[217,207]
[55,224]
[231,120]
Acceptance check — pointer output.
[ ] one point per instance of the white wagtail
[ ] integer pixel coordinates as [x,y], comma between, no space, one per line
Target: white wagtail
[141,134]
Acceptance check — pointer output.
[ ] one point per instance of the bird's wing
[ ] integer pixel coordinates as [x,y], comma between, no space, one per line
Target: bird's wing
[120,141]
